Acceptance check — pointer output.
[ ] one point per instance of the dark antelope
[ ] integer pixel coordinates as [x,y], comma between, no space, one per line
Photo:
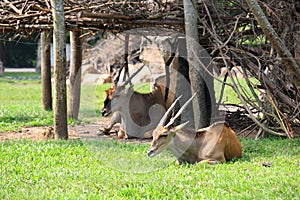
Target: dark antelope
[214,144]
[138,113]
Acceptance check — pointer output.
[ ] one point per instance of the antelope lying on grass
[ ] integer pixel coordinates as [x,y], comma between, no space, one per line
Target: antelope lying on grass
[137,113]
[214,144]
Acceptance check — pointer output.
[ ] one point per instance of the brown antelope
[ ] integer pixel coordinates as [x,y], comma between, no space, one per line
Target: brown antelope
[138,113]
[141,112]
[214,144]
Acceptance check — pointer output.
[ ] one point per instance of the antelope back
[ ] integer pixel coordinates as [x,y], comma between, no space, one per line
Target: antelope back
[220,143]
[214,144]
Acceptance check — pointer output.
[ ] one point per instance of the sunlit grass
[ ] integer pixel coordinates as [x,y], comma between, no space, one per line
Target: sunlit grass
[115,170]
[21,74]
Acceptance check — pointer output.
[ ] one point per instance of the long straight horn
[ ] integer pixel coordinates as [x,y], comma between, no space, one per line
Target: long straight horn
[164,118]
[180,111]
[133,75]
[117,77]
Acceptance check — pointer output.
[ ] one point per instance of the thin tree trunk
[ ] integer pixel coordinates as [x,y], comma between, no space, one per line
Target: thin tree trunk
[1,68]
[46,70]
[75,75]
[59,46]
[278,44]
[38,62]
[1,59]
[297,36]
[196,73]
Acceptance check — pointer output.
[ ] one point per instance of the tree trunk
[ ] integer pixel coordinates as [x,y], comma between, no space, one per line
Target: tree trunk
[297,34]
[46,70]
[287,58]
[196,72]
[1,68]
[38,61]
[1,59]
[75,76]
[183,83]
[59,46]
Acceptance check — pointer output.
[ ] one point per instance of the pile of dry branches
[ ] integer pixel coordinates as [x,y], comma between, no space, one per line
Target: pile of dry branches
[241,42]
[91,14]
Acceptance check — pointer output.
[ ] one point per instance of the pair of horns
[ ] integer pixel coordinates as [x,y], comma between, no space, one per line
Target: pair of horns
[131,77]
[164,118]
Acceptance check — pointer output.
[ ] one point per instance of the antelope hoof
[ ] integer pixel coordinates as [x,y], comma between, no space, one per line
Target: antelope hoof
[104,131]
[177,162]
[211,162]
[121,135]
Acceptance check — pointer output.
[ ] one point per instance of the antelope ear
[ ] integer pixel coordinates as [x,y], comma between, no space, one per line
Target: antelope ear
[181,126]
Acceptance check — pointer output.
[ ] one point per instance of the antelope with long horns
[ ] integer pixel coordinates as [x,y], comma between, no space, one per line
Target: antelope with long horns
[214,144]
[138,113]
[159,84]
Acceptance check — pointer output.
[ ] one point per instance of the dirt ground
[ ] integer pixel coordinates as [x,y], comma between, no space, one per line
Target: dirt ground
[81,131]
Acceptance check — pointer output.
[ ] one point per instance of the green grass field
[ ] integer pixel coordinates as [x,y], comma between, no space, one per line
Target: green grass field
[107,169]
[21,104]
[79,170]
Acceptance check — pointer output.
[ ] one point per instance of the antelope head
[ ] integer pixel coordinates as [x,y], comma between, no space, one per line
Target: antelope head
[163,135]
[106,110]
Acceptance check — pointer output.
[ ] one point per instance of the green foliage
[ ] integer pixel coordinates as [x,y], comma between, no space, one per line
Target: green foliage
[254,41]
[251,39]
[78,170]
[230,96]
